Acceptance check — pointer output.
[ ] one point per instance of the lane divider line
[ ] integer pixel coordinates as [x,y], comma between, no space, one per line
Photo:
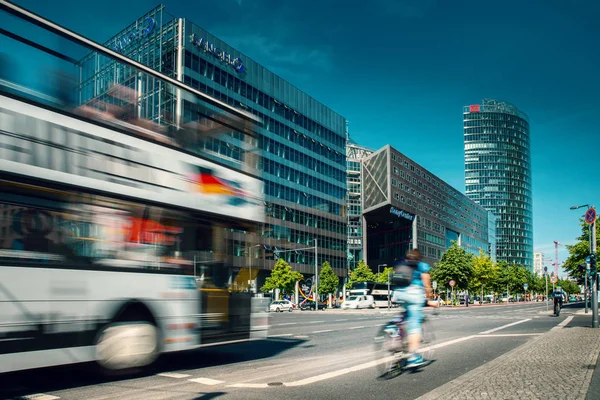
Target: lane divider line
[173,375]
[39,396]
[504,326]
[282,335]
[249,385]
[510,335]
[315,322]
[323,331]
[371,364]
[564,323]
[357,327]
[287,323]
[206,381]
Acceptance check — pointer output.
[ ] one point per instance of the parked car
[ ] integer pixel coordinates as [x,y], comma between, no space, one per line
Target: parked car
[357,302]
[281,306]
[310,305]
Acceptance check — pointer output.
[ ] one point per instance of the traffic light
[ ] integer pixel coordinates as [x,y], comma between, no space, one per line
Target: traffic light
[593,270]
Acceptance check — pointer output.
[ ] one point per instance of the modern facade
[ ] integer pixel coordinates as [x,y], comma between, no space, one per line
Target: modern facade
[354,156]
[538,264]
[406,206]
[301,142]
[498,174]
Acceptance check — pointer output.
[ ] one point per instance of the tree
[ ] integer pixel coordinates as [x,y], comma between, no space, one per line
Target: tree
[383,276]
[513,276]
[362,273]
[456,264]
[328,280]
[282,277]
[485,274]
[579,251]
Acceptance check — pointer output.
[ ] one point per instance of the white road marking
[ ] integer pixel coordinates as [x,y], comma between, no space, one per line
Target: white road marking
[288,323]
[315,322]
[504,326]
[40,396]
[249,385]
[173,375]
[510,335]
[361,318]
[565,322]
[357,327]
[359,367]
[323,331]
[301,337]
[340,320]
[282,335]
[206,381]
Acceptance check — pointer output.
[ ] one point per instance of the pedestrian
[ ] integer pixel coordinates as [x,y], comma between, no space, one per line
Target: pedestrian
[467,300]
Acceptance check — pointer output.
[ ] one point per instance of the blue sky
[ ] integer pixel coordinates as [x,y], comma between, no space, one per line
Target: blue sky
[401,70]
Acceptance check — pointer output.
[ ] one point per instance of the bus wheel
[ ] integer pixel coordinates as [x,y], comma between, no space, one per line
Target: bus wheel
[126,346]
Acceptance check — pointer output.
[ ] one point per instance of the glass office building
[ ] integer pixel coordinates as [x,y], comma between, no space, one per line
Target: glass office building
[406,206]
[354,156]
[498,174]
[301,142]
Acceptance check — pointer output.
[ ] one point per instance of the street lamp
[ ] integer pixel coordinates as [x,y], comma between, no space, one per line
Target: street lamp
[594,279]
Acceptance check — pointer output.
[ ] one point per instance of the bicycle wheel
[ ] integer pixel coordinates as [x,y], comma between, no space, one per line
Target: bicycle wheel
[427,340]
[386,352]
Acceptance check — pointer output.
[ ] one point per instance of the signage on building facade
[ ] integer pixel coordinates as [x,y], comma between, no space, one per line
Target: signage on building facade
[140,32]
[401,213]
[236,63]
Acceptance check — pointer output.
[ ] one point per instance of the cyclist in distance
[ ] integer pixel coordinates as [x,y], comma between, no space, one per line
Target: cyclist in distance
[412,286]
[559,296]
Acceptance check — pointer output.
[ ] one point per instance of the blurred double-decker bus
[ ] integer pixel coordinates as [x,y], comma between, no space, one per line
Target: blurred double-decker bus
[117,234]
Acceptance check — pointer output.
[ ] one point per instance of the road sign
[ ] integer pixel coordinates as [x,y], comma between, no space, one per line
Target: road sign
[553,279]
[590,215]
[524,286]
[452,283]
[434,285]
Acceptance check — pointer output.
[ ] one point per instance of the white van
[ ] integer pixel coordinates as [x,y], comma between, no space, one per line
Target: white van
[361,301]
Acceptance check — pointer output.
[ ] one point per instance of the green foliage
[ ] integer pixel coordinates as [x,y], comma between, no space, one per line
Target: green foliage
[328,280]
[484,274]
[579,251]
[362,273]
[282,278]
[513,276]
[382,277]
[456,264]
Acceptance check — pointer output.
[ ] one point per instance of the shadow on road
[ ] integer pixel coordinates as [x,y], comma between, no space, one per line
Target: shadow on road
[67,377]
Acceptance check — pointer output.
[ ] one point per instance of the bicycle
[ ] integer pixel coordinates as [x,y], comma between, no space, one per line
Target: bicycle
[391,347]
[557,307]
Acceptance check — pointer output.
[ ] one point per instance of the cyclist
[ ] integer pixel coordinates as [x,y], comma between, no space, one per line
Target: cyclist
[559,297]
[412,286]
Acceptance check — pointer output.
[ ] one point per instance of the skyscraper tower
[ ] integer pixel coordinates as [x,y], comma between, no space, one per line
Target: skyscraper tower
[498,174]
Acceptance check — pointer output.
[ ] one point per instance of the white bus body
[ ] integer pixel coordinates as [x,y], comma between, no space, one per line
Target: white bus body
[97,232]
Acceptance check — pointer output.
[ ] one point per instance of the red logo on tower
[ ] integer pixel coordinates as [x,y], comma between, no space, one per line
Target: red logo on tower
[474,108]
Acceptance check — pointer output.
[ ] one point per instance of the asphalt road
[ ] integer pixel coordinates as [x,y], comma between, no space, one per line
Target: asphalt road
[324,354]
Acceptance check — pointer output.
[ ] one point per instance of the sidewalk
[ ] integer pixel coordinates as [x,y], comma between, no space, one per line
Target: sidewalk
[557,365]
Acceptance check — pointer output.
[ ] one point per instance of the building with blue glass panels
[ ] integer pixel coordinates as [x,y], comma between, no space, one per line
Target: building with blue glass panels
[301,142]
[498,174]
[406,206]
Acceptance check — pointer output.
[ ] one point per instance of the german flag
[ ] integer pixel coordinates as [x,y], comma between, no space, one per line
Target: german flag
[205,181]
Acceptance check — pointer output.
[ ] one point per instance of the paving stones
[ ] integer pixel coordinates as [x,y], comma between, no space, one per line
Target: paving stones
[556,365]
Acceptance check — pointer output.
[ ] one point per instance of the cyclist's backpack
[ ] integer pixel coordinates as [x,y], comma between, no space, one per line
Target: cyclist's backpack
[403,273]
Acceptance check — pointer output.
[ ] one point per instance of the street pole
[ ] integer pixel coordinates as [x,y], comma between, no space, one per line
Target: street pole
[546,291]
[594,278]
[316,278]
[585,292]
